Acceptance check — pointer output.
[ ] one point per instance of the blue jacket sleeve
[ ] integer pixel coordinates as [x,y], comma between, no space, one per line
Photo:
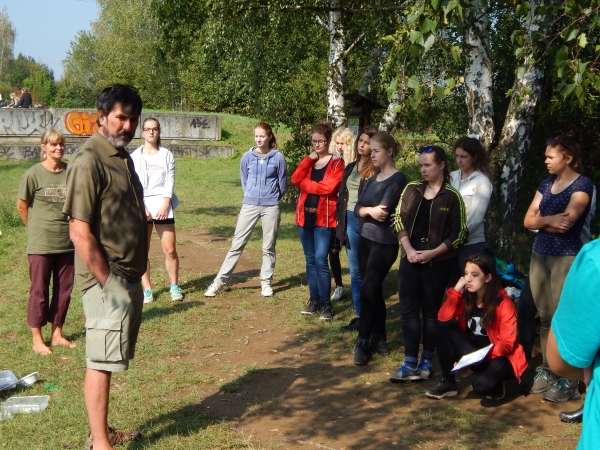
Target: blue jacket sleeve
[282,173]
[244,170]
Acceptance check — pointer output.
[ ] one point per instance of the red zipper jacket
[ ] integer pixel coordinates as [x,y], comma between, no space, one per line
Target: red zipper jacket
[502,333]
[327,189]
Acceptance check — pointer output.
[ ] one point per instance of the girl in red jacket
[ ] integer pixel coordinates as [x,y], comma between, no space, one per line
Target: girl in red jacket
[318,176]
[477,313]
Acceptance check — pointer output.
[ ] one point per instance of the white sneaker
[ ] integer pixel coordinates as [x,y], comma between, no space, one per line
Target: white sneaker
[148,296]
[338,293]
[213,290]
[266,291]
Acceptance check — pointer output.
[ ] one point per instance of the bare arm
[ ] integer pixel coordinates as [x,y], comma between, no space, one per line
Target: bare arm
[558,223]
[559,365]
[88,250]
[23,208]
[378,213]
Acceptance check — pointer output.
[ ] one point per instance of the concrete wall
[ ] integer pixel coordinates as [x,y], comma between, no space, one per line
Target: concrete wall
[31,152]
[31,123]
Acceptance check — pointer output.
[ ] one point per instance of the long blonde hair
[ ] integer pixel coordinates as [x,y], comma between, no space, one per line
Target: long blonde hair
[348,138]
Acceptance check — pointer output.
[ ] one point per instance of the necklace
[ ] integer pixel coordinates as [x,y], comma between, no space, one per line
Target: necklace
[560,184]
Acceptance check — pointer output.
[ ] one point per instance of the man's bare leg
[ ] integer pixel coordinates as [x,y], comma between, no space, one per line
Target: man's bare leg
[96,389]
[59,339]
[38,342]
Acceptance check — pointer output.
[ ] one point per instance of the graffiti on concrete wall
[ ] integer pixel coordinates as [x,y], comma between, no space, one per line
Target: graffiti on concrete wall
[81,123]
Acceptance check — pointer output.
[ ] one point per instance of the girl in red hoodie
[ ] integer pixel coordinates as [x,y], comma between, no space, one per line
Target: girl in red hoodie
[477,313]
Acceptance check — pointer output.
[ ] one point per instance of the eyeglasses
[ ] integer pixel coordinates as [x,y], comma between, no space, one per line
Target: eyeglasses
[552,142]
[319,142]
[151,130]
[426,150]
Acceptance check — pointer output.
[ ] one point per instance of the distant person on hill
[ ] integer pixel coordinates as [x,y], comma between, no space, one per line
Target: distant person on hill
[318,176]
[25,101]
[13,101]
[155,167]
[342,145]
[264,180]
[49,250]
[559,211]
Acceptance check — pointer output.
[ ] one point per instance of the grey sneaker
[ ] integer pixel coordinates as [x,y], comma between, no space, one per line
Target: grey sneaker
[405,373]
[311,308]
[544,380]
[564,389]
[326,311]
[425,369]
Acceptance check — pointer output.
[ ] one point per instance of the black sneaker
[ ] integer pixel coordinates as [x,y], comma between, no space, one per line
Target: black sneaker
[564,389]
[352,326]
[326,312]
[497,393]
[362,354]
[377,344]
[445,388]
[311,308]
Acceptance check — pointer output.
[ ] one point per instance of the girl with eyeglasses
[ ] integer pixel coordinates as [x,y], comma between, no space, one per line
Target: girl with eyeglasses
[358,170]
[318,176]
[477,313]
[558,210]
[342,145]
[472,180]
[264,181]
[155,166]
[431,225]
[378,244]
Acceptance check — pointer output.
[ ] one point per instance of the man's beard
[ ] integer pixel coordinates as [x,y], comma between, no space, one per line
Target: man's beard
[119,140]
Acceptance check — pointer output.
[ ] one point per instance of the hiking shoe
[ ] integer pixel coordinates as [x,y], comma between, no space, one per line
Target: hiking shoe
[497,393]
[338,293]
[405,373]
[115,437]
[564,389]
[445,388]
[544,380]
[213,290]
[352,326]
[311,308]
[266,291]
[377,344]
[425,369]
[176,294]
[362,353]
[148,295]
[326,311]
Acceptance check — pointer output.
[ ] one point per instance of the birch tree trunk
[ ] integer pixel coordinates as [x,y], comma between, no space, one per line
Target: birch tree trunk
[513,147]
[336,74]
[478,74]
[391,113]
[370,73]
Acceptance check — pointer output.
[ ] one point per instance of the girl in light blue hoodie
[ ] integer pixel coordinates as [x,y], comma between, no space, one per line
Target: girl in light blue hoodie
[264,180]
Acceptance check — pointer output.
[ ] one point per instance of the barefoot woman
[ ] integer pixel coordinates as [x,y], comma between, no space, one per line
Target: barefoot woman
[49,249]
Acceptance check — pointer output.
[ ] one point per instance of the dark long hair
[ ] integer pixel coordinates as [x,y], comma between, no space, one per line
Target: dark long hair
[569,145]
[474,148]
[487,264]
[368,169]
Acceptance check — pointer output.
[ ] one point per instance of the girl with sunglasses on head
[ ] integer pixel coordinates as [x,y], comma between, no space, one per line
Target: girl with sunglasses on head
[341,145]
[477,313]
[347,230]
[378,244]
[558,210]
[318,176]
[431,225]
[472,180]
[155,166]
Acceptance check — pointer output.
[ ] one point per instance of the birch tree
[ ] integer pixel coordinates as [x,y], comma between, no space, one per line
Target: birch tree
[7,42]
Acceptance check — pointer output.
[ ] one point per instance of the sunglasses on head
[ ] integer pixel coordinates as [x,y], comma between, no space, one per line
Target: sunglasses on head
[552,142]
[426,150]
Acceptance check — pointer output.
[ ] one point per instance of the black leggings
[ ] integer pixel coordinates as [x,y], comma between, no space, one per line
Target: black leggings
[336,266]
[526,323]
[452,343]
[375,261]
[421,288]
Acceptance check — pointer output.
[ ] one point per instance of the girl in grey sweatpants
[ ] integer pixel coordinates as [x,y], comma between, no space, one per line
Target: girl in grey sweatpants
[264,180]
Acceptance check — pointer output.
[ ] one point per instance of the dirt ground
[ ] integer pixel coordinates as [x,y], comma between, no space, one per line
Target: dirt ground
[300,397]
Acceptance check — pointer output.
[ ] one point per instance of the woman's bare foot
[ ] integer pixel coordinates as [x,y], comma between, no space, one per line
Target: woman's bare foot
[41,349]
[59,339]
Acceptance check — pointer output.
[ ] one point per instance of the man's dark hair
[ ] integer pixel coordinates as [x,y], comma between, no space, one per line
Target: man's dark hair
[124,94]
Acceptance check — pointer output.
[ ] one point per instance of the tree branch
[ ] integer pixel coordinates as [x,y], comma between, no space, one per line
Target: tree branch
[356,41]
[321,22]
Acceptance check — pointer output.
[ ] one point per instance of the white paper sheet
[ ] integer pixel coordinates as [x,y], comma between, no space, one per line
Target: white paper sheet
[472,358]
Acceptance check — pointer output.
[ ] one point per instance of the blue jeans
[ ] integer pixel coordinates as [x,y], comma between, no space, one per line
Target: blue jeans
[353,236]
[316,242]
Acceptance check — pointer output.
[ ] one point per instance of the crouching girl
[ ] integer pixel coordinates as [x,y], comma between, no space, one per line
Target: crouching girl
[477,313]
